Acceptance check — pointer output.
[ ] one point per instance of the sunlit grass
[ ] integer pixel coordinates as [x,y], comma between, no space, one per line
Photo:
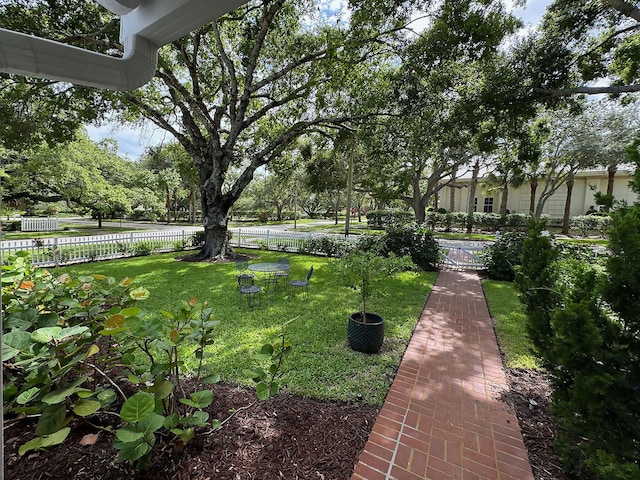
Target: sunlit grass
[321,364]
[510,324]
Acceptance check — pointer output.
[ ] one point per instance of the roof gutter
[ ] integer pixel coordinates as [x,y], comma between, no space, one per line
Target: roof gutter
[145,26]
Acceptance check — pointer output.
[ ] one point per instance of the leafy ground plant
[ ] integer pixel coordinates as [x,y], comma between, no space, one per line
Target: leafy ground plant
[74,345]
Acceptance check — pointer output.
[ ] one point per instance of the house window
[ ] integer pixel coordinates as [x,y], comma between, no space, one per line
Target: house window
[488,205]
[475,204]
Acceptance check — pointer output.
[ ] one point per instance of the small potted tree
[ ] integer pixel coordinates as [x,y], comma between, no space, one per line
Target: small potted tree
[363,271]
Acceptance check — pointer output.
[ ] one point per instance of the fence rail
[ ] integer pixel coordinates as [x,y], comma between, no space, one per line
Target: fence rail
[39,224]
[65,251]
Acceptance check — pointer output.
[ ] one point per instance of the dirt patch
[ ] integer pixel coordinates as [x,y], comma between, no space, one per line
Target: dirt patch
[286,437]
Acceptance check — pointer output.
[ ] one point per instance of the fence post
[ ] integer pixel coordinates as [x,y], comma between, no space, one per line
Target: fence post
[268,246]
[56,255]
[131,242]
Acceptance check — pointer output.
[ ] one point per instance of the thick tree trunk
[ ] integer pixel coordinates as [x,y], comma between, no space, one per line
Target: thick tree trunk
[504,200]
[567,206]
[472,196]
[216,243]
[418,207]
[533,186]
[452,197]
[611,172]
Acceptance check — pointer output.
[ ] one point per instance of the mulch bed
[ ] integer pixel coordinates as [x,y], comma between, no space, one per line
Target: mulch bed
[286,437]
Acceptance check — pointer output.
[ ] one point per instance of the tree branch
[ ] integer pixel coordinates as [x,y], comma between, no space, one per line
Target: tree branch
[626,8]
[612,89]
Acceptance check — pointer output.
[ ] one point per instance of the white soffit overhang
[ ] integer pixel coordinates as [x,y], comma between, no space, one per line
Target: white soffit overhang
[145,26]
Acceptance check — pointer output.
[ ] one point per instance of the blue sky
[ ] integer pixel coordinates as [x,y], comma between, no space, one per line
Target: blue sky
[133,141]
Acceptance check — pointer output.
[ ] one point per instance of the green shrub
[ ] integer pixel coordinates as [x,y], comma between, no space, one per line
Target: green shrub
[416,242]
[371,243]
[143,248]
[502,256]
[329,246]
[384,219]
[585,323]
[534,280]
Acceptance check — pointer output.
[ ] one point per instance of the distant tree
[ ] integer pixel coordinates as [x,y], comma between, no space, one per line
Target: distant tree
[82,173]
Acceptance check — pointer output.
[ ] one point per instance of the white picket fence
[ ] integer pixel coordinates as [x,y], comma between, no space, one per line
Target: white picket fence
[66,251]
[39,224]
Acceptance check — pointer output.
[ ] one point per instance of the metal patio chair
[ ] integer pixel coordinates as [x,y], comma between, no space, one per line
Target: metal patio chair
[303,284]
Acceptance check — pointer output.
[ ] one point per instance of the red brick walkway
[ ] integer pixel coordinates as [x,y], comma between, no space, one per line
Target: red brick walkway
[443,418]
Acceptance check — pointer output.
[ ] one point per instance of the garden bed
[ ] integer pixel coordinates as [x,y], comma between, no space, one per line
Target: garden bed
[286,437]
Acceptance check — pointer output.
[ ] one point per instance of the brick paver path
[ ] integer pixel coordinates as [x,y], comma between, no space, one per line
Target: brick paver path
[443,418]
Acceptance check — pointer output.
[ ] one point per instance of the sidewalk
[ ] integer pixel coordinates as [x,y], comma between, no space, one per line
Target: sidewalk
[443,418]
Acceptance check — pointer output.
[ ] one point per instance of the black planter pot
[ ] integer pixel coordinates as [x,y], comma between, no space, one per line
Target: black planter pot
[365,337]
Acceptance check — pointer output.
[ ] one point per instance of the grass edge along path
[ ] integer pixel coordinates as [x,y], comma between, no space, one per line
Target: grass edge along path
[510,324]
[321,365]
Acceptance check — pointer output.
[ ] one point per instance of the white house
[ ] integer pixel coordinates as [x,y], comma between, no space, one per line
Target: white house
[586,184]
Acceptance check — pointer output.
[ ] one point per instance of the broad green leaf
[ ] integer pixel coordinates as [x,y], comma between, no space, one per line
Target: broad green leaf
[46,334]
[48,319]
[267,349]
[52,419]
[200,399]
[131,312]
[23,318]
[106,397]
[114,321]
[59,396]
[128,434]
[14,342]
[93,349]
[69,302]
[262,391]
[112,331]
[132,450]
[86,407]
[45,441]
[99,277]
[211,379]
[72,331]
[274,389]
[150,423]
[163,390]
[187,434]
[137,407]
[171,421]
[198,419]
[26,397]
[166,314]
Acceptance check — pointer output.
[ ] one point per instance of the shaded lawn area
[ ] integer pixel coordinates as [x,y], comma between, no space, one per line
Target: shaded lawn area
[321,364]
[510,323]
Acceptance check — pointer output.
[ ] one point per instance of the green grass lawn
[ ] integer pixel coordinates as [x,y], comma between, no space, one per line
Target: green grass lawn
[321,364]
[510,320]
